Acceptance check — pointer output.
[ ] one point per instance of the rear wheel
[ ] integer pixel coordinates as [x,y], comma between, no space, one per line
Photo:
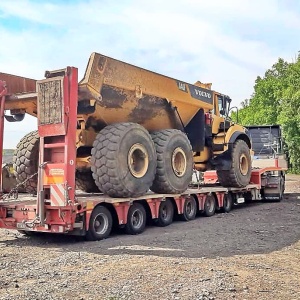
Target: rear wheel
[209,206]
[240,171]
[25,161]
[136,219]
[174,162]
[189,209]
[165,213]
[100,224]
[227,203]
[123,160]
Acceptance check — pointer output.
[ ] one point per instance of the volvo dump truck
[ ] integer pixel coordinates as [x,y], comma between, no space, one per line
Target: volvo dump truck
[125,158]
[135,130]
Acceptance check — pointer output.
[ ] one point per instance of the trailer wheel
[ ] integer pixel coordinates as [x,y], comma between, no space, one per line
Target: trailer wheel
[165,213]
[227,203]
[123,160]
[100,224]
[282,188]
[174,162]
[25,161]
[85,181]
[240,171]
[136,219]
[209,206]
[189,209]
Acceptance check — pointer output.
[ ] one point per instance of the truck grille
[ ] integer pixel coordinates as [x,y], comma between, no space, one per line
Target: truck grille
[50,101]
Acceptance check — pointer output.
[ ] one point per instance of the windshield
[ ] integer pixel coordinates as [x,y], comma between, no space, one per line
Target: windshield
[224,105]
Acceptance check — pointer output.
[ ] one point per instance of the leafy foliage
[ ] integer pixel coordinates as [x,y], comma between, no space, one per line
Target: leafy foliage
[276,100]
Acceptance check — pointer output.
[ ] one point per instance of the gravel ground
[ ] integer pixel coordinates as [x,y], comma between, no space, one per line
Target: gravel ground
[251,253]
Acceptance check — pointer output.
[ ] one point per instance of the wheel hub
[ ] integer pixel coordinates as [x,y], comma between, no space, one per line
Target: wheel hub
[101,223]
[138,160]
[244,164]
[179,162]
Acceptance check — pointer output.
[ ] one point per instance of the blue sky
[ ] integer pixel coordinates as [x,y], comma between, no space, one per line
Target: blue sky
[228,43]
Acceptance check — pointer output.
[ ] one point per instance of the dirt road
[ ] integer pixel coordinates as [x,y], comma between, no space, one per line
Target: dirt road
[251,253]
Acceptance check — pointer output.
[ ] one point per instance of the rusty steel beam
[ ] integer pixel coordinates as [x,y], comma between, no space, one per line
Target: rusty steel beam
[17,84]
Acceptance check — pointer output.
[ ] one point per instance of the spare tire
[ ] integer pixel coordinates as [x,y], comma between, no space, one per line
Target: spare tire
[123,160]
[26,161]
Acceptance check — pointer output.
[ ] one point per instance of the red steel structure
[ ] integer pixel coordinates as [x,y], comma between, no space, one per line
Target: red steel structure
[58,209]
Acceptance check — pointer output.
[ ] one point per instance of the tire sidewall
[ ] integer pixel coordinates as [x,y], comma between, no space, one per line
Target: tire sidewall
[130,228]
[170,213]
[241,148]
[134,184]
[176,183]
[189,217]
[227,203]
[91,233]
[207,211]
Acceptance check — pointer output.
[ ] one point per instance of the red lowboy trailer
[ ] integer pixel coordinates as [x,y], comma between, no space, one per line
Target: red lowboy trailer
[57,208]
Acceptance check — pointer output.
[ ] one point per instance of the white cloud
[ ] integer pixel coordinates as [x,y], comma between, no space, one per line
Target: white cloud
[227,42]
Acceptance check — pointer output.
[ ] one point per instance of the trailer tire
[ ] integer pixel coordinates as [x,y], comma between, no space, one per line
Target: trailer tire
[174,162]
[189,209]
[100,224]
[240,171]
[25,161]
[136,219]
[210,206]
[85,181]
[227,203]
[123,160]
[165,213]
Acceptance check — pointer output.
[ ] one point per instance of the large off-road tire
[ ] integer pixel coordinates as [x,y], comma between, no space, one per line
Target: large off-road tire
[240,171]
[174,162]
[85,181]
[26,160]
[123,160]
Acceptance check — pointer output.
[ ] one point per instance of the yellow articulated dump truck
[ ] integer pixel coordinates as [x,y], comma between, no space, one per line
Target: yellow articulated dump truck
[136,131]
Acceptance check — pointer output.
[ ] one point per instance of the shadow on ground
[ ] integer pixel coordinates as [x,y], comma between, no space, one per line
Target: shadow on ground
[259,227]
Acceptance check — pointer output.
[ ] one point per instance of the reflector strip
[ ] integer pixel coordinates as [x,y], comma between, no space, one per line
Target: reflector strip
[57,195]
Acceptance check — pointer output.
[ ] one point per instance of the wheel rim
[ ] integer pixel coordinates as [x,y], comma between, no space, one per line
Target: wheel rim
[190,208]
[137,219]
[244,164]
[138,160]
[179,162]
[101,223]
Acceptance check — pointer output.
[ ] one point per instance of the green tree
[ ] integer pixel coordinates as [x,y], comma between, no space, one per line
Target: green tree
[276,100]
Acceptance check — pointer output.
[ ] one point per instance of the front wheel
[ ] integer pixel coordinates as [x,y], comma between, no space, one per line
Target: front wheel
[240,170]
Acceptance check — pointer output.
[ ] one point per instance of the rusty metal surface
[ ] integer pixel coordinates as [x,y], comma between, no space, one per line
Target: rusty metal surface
[50,101]
[18,84]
